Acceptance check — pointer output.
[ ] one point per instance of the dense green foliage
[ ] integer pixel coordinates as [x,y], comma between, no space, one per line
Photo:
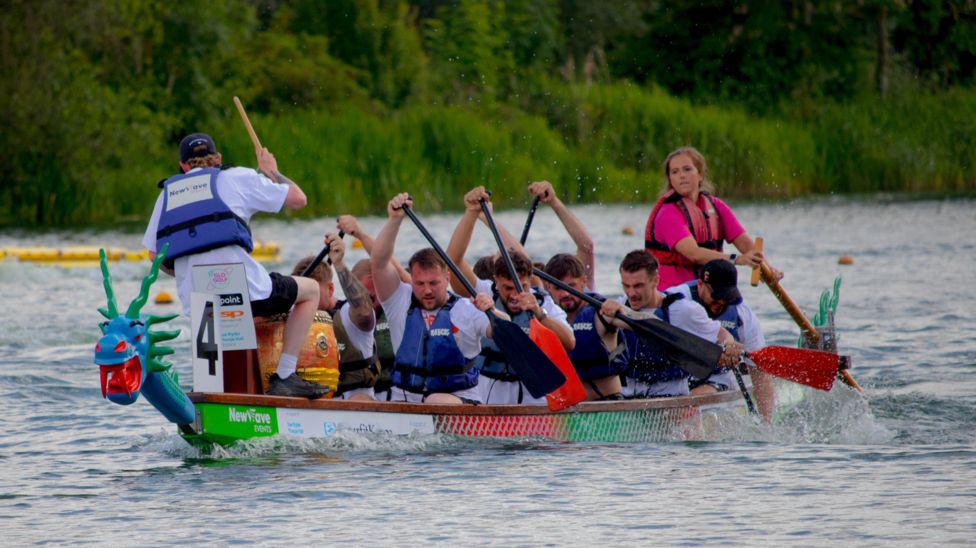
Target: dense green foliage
[360,99]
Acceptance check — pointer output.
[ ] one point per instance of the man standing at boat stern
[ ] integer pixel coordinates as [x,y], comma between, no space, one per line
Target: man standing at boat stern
[436,334]
[203,215]
[650,373]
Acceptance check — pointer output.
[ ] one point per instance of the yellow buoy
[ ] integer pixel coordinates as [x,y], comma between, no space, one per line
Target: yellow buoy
[628,231]
[845,259]
[164,297]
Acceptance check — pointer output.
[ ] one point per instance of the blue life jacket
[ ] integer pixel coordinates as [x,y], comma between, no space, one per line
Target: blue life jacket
[195,219]
[646,360]
[590,356]
[729,318]
[429,360]
[492,362]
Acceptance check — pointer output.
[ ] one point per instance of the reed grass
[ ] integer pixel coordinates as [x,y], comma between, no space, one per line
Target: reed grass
[599,143]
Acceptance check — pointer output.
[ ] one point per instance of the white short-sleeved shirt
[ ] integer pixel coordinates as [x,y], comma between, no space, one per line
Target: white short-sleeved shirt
[691,316]
[750,332]
[548,305]
[361,340]
[471,323]
[246,192]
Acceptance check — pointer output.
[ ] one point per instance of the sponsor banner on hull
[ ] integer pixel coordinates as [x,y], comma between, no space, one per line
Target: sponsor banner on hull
[239,421]
[317,423]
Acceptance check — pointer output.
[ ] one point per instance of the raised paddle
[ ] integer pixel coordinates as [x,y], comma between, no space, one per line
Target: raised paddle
[695,355]
[571,392]
[805,325]
[536,370]
[528,220]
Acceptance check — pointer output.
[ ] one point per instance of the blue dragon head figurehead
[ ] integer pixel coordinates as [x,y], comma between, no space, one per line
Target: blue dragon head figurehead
[126,353]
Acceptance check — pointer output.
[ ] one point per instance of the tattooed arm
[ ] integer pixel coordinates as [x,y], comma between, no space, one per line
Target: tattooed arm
[360,304]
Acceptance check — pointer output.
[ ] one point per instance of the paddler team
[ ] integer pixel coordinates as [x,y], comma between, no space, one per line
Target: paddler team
[404,336]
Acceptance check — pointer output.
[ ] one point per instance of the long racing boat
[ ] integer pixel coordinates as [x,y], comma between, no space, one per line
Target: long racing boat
[130,363]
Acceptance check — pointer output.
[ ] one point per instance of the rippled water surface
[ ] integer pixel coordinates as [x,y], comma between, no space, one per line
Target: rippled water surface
[897,466]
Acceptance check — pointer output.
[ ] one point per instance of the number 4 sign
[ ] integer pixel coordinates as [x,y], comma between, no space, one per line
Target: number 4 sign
[208,372]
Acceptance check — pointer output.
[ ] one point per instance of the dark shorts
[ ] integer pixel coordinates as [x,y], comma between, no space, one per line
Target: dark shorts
[284,291]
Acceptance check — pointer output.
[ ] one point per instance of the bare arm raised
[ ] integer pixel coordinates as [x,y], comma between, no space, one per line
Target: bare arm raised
[350,225]
[585,249]
[385,277]
[462,237]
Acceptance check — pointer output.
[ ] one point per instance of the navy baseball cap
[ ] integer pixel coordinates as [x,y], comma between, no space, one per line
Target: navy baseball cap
[196,145]
[722,277]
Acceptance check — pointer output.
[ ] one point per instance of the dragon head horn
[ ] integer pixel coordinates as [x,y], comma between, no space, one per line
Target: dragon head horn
[136,306]
[112,310]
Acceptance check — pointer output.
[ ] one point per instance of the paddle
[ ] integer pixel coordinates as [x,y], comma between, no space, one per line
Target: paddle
[800,365]
[695,355]
[536,370]
[756,271]
[801,320]
[528,220]
[745,392]
[571,391]
[318,259]
[247,123]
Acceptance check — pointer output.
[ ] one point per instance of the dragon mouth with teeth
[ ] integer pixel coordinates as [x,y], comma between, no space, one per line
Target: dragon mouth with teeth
[120,369]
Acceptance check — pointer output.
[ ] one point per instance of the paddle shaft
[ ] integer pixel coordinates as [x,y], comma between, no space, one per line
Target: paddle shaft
[318,258]
[501,247]
[528,220]
[440,251]
[756,271]
[791,308]
[247,123]
[745,392]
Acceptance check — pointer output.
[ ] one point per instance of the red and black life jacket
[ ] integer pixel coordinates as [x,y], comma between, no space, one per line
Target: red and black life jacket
[704,227]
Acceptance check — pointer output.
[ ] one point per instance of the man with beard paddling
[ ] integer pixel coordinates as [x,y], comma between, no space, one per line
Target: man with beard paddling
[436,334]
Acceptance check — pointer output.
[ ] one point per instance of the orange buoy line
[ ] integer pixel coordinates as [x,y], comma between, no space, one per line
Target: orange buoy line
[88,255]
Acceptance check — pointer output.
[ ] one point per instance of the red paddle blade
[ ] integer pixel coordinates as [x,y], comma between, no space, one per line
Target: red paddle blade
[571,392]
[809,367]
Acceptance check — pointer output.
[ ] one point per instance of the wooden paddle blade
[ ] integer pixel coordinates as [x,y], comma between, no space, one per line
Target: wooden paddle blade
[695,355]
[571,392]
[809,367]
[536,371]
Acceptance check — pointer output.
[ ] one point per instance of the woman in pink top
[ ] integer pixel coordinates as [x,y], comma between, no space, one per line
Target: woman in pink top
[688,225]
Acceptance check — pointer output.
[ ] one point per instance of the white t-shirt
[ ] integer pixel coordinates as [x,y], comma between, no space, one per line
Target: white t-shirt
[471,323]
[750,332]
[361,340]
[548,305]
[691,316]
[246,192]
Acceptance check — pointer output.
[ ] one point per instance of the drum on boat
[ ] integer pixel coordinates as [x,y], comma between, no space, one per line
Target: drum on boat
[318,360]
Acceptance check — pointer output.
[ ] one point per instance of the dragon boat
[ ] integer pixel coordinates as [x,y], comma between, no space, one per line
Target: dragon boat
[130,360]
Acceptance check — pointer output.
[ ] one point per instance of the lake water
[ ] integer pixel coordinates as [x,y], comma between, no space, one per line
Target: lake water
[897,466]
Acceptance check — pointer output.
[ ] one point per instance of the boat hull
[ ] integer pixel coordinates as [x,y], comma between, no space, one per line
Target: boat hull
[226,418]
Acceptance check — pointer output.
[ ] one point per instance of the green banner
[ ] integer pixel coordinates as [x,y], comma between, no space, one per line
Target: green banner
[237,421]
